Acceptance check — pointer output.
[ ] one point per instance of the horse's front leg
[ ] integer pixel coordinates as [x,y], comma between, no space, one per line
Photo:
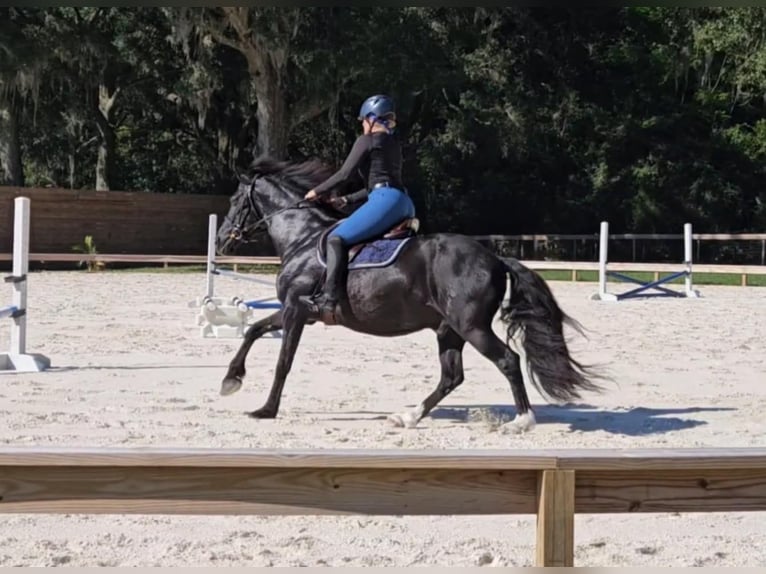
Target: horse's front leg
[232,382]
[294,319]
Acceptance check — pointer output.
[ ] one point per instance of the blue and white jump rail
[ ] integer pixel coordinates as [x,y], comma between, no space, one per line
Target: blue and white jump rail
[17,360]
[644,286]
[227,317]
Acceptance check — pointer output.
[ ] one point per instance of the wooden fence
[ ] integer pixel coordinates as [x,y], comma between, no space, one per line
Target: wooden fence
[137,227]
[553,484]
[572,267]
[120,222]
[127,223]
[587,244]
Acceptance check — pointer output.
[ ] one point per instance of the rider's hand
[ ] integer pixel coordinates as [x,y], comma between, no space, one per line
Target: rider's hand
[338,202]
[311,195]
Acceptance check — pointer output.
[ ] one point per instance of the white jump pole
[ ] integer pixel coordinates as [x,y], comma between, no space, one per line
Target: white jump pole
[603,258]
[688,255]
[211,232]
[17,359]
[603,246]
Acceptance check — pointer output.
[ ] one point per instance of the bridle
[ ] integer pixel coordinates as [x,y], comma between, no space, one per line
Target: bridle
[238,227]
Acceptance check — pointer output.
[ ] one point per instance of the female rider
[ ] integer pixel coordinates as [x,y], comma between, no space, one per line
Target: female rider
[378,154]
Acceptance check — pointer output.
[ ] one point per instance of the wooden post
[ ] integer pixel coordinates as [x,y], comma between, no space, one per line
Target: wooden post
[555,518]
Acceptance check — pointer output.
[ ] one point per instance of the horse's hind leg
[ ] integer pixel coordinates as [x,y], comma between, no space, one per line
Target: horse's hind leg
[451,359]
[232,382]
[509,363]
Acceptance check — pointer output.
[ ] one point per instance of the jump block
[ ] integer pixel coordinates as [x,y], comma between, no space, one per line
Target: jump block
[226,318]
[23,363]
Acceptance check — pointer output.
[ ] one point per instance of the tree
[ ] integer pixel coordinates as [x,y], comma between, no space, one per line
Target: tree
[117,51]
[298,59]
[22,65]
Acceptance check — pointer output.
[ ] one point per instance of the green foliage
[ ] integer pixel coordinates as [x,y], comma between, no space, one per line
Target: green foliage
[514,120]
[88,247]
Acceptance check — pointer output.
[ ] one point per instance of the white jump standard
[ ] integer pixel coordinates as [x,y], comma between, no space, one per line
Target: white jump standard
[603,273]
[227,317]
[17,360]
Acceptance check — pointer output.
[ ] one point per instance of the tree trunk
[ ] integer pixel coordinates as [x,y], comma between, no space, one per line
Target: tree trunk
[10,146]
[106,153]
[271,112]
[266,67]
[267,63]
[72,169]
[107,141]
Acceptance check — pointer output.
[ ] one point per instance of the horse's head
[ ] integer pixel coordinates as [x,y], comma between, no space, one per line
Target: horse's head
[268,188]
[242,219]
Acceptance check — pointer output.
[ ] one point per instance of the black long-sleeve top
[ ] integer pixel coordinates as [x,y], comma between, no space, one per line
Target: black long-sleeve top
[378,155]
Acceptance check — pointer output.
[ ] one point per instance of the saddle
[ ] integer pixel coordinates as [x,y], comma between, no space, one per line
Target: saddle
[375,252]
[378,255]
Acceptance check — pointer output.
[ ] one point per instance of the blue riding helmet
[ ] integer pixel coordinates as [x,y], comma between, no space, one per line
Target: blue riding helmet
[378,106]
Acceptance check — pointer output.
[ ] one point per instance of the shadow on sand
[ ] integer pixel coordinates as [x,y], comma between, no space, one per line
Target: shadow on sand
[68,368]
[640,421]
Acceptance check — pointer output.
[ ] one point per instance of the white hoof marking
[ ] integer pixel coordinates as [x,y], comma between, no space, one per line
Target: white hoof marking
[521,423]
[408,419]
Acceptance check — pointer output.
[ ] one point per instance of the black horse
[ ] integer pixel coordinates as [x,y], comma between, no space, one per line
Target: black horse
[449,283]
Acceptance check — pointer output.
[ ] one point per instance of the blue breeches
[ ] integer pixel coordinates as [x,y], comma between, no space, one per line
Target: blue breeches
[384,208]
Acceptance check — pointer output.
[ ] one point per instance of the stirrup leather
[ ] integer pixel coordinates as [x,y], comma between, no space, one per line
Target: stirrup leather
[322,308]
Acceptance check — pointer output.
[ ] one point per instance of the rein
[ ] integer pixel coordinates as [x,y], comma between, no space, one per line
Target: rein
[237,232]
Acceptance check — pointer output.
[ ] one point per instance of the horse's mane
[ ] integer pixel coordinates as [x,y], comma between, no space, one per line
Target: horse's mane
[304,175]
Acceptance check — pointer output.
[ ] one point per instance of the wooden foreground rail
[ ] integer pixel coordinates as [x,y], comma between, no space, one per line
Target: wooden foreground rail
[553,484]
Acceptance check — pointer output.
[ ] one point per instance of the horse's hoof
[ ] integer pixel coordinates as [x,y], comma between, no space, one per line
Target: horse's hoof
[262,414]
[404,420]
[520,424]
[230,385]
[396,420]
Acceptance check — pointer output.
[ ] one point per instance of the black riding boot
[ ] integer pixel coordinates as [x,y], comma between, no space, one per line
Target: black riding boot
[337,263]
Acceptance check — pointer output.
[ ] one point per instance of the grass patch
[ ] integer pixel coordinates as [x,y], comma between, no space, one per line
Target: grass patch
[556,275]
[646,276]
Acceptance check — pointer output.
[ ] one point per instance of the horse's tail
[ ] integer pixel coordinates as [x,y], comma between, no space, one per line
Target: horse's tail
[533,313]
